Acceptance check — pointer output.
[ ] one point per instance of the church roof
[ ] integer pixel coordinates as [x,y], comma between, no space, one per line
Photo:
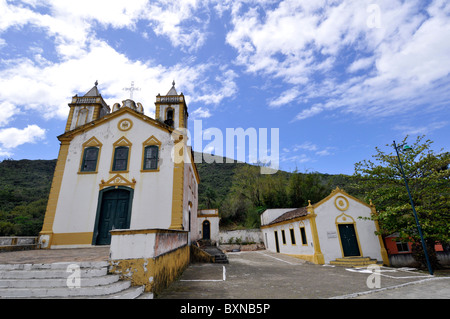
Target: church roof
[93,91]
[172,91]
[295,213]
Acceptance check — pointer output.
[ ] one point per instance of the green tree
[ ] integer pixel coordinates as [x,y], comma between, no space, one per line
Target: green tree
[211,197]
[274,191]
[304,187]
[428,176]
[245,193]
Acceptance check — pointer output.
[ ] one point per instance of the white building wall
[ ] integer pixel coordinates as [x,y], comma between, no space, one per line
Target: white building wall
[289,248]
[152,200]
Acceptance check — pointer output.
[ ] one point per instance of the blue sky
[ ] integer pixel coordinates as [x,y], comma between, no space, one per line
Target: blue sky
[337,78]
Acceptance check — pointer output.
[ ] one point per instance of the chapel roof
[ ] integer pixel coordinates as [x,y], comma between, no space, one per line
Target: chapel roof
[295,213]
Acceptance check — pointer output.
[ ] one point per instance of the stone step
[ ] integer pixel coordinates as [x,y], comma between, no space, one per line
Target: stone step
[58,265]
[57,282]
[353,261]
[53,280]
[136,292]
[64,291]
[50,273]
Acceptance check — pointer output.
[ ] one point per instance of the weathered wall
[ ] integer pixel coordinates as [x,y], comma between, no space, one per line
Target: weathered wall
[15,243]
[407,260]
[241,236]
[156,273]
[200,256]
[149,257]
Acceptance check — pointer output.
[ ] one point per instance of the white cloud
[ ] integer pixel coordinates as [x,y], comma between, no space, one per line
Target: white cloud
[12,137]
[316,109]
[360,64]
[169,18]
[305,44]
[305,146]
[201,112]
[7,112]
[420,130]
[48,88]
[285,98]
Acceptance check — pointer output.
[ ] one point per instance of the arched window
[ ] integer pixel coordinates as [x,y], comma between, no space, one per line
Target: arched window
[82,117]
[170,114]
[151,157]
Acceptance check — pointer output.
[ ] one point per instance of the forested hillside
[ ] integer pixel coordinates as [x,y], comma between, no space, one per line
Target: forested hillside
[24,189]
[237,189]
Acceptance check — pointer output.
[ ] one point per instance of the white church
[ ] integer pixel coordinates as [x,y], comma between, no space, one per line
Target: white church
[121,169]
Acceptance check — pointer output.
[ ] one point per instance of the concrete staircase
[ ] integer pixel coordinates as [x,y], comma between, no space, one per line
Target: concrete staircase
[209,247]
[83,280]
[353,261]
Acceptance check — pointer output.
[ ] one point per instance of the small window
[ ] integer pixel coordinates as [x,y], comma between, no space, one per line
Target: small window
[120,158]
[303,233]
[90,157]
[283,236]
[151,157]
[402,247]
[291,230]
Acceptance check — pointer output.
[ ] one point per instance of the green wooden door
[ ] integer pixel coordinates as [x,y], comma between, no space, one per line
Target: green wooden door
[349,240]
[114,213]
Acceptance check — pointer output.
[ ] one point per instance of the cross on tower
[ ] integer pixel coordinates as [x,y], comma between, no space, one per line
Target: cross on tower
[132,89]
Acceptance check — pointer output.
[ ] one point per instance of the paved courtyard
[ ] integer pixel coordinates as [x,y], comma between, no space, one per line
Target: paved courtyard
[267,275]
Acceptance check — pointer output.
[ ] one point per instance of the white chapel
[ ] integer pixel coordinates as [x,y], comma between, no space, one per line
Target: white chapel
[336,230]
[121,169]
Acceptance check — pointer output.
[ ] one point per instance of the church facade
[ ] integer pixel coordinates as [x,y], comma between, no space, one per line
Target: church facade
[120,169]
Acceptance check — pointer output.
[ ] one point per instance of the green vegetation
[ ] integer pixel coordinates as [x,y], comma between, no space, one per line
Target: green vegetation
[24,189]
[428,176]
[242,193]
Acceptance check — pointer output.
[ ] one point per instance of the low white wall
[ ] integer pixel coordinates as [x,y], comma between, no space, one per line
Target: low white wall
[242,236]
[145,243]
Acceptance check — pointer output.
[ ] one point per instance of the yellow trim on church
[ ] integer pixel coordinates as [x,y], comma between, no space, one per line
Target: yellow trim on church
[49,218]
[152,140]
[318,257]
[178,184]
[92,142]
[67,239]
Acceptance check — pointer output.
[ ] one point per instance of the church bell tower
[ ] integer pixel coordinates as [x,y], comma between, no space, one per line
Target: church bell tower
[171,109]
[86,108]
